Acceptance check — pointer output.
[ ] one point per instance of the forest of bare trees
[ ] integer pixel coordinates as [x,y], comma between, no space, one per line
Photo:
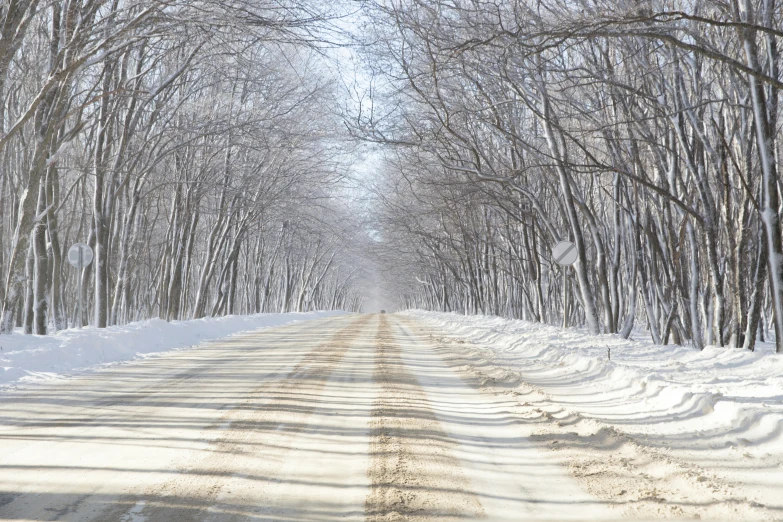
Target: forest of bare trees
[645,132]
[198,147]
[193,145]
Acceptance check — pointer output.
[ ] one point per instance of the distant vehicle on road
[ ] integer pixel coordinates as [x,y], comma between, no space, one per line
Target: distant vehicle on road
[383,311]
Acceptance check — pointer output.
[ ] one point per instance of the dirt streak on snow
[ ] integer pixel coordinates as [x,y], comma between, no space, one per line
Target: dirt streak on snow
[224,474]
[414,473]
[193,435]
[673,422]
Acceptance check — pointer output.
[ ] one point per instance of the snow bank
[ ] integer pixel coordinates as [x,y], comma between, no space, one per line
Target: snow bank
[29,358]
[721,407]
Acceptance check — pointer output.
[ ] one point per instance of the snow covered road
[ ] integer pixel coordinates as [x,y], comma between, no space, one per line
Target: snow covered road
[355,417]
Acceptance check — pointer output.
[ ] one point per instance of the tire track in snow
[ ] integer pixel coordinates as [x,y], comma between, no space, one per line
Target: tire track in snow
[193,495]
[141,410]
[413,471]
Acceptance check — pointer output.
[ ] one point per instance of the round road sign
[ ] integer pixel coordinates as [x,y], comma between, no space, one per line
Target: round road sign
[564,253]
[80,255]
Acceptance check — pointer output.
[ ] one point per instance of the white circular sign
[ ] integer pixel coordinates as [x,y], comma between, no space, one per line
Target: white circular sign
[564,253]
[80,255]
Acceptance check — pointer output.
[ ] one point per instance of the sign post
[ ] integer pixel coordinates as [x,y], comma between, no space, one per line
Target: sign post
[564,253]
[80,256]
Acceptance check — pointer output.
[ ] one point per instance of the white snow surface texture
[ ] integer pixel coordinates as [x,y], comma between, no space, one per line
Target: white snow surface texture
[721,408]
[34,358]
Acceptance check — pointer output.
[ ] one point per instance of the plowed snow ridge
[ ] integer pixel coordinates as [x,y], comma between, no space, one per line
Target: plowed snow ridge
[720,409]
[35,358]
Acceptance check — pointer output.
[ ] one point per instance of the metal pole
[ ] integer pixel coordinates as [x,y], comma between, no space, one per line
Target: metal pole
[565,296]
[79,286]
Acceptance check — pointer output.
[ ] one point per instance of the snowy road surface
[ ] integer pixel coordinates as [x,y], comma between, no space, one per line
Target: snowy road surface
[357,417]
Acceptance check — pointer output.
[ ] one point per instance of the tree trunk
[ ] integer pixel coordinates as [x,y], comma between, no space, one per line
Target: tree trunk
[41,267]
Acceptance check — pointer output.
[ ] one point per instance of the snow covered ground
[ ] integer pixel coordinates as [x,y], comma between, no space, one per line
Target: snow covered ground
[350,418]
[34,358]
[720,409]
[380,417]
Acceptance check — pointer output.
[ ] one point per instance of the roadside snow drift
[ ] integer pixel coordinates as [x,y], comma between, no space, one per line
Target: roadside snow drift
[721,408]
[30,358]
